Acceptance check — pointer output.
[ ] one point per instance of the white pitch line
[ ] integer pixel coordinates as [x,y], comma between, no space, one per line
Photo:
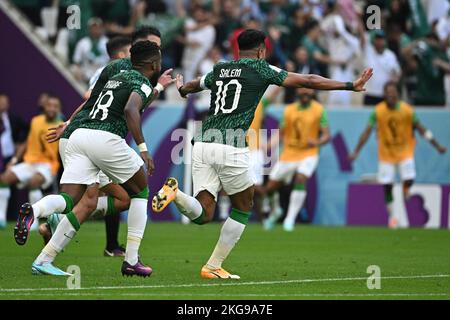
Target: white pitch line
[3,291]
[149,294]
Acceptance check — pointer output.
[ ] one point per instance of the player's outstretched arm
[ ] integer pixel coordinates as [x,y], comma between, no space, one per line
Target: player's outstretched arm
[133,118]
[428,135]
[317,82]
[54,133]
[190,87]
[362,141]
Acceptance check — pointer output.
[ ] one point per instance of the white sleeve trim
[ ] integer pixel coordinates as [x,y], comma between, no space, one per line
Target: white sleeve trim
[202,82]
[276,69]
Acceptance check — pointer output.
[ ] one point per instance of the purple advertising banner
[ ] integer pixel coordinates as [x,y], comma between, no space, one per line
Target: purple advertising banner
[26,73]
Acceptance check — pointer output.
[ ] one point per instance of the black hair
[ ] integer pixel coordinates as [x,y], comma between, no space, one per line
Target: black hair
[144,32]
[53,96]
[311,25]
[143,52]
[390,84]
[116,44]
[251,39]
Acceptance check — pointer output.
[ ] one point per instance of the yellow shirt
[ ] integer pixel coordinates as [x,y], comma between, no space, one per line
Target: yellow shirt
[395,131]
[38,149]
[300,125]
[253,134]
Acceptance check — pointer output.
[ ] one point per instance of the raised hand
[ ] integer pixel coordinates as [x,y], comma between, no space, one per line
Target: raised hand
[358,84]
[166,78]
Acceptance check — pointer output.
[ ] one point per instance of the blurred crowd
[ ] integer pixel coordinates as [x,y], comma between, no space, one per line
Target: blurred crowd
[407,42]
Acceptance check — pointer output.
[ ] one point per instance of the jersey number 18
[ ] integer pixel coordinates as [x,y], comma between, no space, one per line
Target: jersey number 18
[102,105]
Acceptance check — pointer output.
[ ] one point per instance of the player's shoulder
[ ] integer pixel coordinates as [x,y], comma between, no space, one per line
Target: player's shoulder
[130,76]
[118,65]
[317,105]
[380,106]
[406,106]
[289,108]
[38,119]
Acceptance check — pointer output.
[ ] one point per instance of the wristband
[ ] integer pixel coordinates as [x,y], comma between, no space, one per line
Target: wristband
[428,135]
[142,147]
[349,86]
[159,87]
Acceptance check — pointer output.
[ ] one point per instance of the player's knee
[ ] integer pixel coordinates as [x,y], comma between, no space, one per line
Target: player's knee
[143,194]
[123,204]
[300,179]
[42,229]
[36,181]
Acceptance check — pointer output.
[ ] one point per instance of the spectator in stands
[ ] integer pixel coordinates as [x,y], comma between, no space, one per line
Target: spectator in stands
[228,15]
[431,63]
[318,56]
[384,61]
[251,23]
[90,52]
[200,35]
[300,63]
[296,30]
[342,46]
[13,133]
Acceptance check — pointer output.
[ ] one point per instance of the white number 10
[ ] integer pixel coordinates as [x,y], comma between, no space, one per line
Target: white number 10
[222,94]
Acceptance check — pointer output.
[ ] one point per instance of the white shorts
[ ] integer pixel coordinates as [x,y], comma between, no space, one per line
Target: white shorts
[25,171]
[257,166]
[90,151]
[103,179]
[216,166]
[386,171]
[285,170]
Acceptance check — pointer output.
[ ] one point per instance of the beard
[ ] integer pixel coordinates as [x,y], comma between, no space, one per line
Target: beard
[154,79]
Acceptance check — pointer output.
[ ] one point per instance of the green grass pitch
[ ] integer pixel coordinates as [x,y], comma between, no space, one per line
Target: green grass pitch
[310,263]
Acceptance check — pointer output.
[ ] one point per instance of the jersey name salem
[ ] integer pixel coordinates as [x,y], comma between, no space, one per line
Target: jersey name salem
[236,88]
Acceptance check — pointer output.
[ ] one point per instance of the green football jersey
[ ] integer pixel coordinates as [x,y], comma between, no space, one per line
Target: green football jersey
[113,68]
[107,113]
[236,89]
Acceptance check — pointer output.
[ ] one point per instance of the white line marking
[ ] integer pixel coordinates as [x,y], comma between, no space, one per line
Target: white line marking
[150,294]
[223,284]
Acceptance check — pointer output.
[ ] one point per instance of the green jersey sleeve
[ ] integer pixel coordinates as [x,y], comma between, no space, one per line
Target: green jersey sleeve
[373,119]
[324,119]
[144,89]
[265,103]
[415,118]
[206,81]
[271,74]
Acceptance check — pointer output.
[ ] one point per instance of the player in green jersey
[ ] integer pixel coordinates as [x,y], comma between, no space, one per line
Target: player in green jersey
[70,194]
[98,144]
[220,158]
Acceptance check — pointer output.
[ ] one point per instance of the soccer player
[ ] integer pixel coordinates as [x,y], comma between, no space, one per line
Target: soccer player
[116,199]
[70,194]
[40,159]
[220,158]
[256,146]
[117,48]
[395,122]
[99,144]
[303,128]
